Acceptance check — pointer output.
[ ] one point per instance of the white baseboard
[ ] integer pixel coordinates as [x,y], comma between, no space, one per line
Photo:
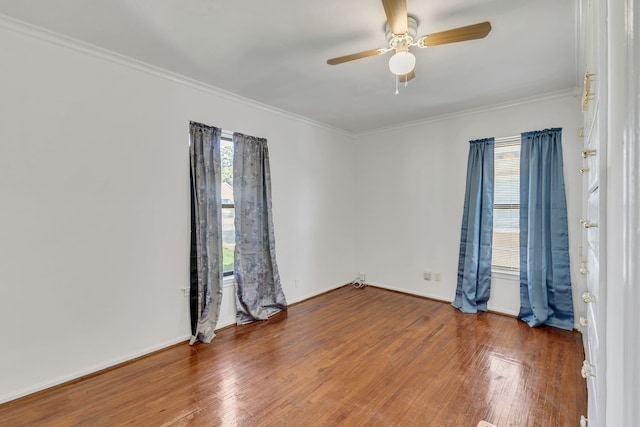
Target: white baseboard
[412,292]
[88,371]
[446,299]
[228,301]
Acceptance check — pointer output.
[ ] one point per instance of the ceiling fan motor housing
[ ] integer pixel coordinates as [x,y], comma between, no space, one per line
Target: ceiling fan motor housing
[401,42]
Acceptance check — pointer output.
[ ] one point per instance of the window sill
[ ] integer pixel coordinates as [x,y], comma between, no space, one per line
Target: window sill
[505,274]
[228,281]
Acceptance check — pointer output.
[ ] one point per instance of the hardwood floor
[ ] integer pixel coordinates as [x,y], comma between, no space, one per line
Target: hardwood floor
[352,357]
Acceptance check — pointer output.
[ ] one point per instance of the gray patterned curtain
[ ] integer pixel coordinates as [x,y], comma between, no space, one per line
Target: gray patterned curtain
[258,290]
[206,232]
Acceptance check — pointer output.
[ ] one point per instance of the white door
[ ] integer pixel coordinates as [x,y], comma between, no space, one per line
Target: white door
[592,315]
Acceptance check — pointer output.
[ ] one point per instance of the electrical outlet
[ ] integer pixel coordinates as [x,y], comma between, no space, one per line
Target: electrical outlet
[426,275]
[438,277]
[185,291]
[361,276]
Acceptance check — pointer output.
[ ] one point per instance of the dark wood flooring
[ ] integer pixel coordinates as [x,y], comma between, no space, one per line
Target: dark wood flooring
[350,357]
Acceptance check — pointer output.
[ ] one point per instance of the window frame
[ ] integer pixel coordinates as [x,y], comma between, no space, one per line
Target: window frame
[227,136]
[502,269]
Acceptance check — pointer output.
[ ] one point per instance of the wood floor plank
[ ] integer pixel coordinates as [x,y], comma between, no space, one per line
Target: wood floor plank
[353,357]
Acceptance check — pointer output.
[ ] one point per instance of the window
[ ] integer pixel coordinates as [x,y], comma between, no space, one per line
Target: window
[506,205]
[228,207]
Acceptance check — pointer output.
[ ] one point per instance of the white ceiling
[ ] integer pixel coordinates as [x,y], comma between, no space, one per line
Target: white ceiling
[275,51]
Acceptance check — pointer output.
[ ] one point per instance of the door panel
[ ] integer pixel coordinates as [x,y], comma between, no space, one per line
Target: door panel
[593,49]
[590,154]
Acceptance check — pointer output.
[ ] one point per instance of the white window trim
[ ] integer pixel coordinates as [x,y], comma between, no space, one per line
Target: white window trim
[506,139]
[503,273]
[228,281]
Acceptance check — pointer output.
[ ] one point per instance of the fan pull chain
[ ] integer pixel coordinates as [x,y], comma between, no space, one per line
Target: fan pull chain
[397,79]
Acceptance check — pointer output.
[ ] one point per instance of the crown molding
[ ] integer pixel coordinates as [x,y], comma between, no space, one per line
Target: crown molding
[126,61]
[571,92]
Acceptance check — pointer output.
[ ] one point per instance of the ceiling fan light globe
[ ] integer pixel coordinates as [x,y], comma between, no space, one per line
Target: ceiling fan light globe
[402,63]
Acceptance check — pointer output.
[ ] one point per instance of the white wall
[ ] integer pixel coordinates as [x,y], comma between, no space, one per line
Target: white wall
[410,186]
[94,216]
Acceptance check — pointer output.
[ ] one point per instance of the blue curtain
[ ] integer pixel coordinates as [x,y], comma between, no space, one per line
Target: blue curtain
[258,290]
[206,231]
[474,263]
[545,281]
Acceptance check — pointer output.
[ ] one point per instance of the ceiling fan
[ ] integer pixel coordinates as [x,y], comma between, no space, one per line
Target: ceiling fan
[401,30]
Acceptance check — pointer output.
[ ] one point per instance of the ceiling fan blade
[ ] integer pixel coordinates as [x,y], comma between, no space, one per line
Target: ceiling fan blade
[470,32]
[396,11]
[354,56]
[409,76]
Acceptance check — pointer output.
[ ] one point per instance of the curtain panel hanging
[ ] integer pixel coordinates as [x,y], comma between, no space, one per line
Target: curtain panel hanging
[545,280]
[258,289]
[474,263]
[206,233]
